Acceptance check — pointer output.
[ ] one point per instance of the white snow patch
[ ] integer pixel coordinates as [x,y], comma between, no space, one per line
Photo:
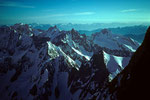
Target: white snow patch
[30,29]
[118,60]
[15,31]
[77,51]
[130,48]
[72,62]
[115,64]
[106,58]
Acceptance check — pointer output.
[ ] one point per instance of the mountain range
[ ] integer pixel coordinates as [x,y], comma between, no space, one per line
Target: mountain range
[87,27]
[137,32]
[65,65]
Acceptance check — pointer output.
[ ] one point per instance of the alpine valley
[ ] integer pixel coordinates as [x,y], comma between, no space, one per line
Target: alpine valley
[55,64]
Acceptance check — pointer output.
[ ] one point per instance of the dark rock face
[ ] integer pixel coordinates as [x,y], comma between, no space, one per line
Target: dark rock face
[40,41]
[133,82]
[105,31]
[91,76]
[57,92]
[33,91]
[136,85]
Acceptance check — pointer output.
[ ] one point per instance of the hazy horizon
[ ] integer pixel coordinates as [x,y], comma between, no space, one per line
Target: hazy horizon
[118,24]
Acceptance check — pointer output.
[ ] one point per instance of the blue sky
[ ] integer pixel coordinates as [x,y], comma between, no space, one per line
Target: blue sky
[74,11]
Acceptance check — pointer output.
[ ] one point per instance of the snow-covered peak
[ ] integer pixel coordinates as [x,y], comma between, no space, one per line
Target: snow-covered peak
[115,64]
[114,42]
[20,25]
[103,33]
[52,33]
[23,29]
[53,29]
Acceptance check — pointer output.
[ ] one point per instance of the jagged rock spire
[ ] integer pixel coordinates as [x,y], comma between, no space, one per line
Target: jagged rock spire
[55,26]
[73,30]
[146,41]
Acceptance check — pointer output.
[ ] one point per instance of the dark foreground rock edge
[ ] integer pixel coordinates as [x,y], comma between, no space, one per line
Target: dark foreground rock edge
[133,82]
